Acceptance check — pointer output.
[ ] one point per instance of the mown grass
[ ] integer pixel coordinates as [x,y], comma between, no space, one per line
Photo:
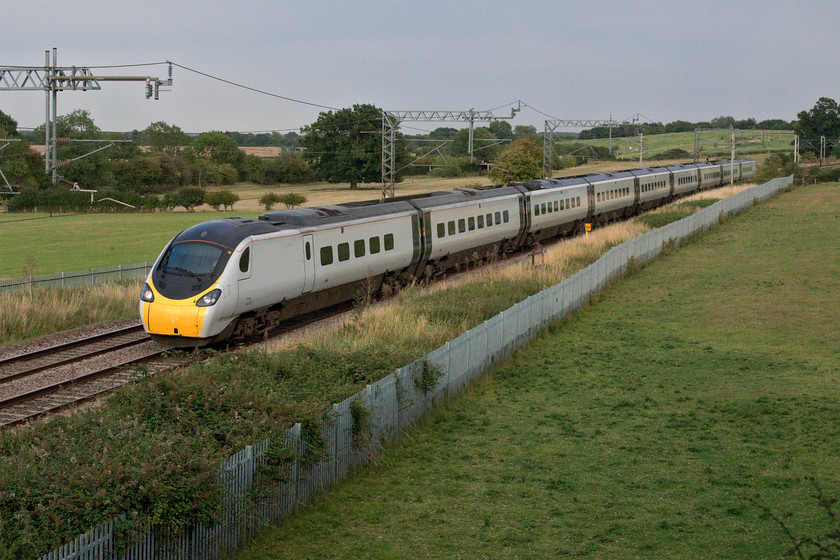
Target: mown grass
[642,428]
[30,313]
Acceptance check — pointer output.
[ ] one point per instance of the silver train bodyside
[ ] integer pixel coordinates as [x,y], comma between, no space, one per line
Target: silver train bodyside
[237,277]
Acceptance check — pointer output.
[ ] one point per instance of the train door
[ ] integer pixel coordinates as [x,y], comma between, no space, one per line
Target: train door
[308,264]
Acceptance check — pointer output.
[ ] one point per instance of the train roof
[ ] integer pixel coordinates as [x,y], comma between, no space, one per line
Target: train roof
[444,198]
[227,232]
[648,171]
[331,213]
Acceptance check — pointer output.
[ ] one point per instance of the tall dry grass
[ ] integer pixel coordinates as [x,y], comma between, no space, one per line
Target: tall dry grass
[26,314]
[421,318]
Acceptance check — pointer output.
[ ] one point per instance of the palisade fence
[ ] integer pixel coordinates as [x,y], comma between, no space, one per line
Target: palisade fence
[351,436]
[89,277]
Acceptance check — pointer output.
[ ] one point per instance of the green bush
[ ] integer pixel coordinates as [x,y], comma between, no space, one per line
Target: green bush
[268,200]
[291,200]
[190,197]
[215,199]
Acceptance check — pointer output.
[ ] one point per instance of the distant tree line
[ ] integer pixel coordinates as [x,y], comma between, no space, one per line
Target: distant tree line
[684,126]
[162,164]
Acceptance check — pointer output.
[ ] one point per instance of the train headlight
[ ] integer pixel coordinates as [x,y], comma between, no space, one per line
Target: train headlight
[147,294]
[210,298]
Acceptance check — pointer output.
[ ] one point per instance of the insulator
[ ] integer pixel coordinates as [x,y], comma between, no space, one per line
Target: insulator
[63,140]
[62,163]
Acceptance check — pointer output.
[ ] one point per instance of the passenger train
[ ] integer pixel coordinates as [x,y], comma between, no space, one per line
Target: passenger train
[237,277]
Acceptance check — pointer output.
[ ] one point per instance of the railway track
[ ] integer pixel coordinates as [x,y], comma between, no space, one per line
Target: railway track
[51,379]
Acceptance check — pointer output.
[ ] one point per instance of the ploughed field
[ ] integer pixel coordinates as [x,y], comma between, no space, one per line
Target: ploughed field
[648,426]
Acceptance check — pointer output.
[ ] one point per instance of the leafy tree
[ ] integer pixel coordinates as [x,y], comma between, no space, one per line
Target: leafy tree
[162,137]
[775,124]
[268,200]
[522,161]
[485,144]
[778,165]
[680,126]
[723,122]
[292,200]
[443,132]
[215,199]
[746,124]
[289,167]
[8,126]
[190,197]
[217,147]
[525,131]
[501,129]
[822,120]
[345,146]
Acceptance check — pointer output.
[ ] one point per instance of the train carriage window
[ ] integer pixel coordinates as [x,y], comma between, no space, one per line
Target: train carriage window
[389,241]
[245,259]
[550,208]
[373,242]
[359,248]
[498,217]
[326,255]
[462,225]
[506,216]
[578,201]
[536,210]
[308,251]
[471,223]
[451,226]
[489,220]
[343,252]
[480,221]
[441,230]
[543,207]
[557,206]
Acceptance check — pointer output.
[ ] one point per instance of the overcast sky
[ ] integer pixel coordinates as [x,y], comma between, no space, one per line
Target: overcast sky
[666,60]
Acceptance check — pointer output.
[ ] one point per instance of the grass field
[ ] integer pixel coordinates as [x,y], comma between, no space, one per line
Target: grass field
[51,243]
[641,428]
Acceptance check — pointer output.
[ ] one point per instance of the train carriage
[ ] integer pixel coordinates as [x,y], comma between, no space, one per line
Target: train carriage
[469,224]
[614,195]
[557,206]
[653,186]
[686,178]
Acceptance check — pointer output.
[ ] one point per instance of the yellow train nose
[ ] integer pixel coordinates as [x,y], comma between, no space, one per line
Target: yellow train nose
[173,317]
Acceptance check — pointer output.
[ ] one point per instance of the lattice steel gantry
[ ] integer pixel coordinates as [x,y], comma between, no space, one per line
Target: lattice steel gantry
[391,121]
[52,78]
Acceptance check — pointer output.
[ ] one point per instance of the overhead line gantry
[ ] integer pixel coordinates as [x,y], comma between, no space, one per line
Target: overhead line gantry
[391,122]
[52,78]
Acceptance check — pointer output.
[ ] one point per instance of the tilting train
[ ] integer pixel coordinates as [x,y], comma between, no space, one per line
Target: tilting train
[237,277]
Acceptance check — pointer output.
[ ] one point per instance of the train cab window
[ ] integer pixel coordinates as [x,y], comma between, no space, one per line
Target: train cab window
[462,225]
[326,255]
[506,216]
[245,259]
[480,221]
[451,226]
[359,248]
[471,223]
[373,244]
[498,217]
[389,241]
[343,252]
[489,220]
[536,210]
[441,230]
